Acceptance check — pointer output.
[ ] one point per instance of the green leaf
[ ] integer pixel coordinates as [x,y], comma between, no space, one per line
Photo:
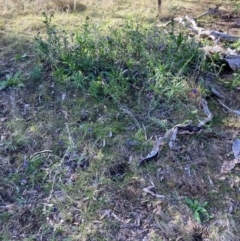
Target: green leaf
[195,204]
[189,202]
[204,204]
[3,85]
[197,217]
[202,210]
[198,209]
[179,39]
[21,85]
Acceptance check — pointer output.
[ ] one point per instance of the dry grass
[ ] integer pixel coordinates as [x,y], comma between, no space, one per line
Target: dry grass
[27,6]
[116,7]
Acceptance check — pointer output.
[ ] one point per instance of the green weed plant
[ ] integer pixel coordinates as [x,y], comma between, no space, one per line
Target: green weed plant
[119,62]
[199,210]
[12,80]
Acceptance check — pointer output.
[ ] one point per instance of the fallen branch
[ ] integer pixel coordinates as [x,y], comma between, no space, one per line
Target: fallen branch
[148,190]
[191,24]
[207,112]
[171,135]
[220,98]
[216,35]
[237,112]
[210,11]
[227,55]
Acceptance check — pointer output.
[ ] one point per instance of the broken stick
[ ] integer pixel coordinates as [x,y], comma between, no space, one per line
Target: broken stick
[210,11]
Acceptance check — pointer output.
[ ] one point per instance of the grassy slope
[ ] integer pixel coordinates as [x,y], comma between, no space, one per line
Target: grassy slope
[85,184]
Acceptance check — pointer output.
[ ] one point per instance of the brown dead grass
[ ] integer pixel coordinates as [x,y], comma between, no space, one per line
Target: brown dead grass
[28,6]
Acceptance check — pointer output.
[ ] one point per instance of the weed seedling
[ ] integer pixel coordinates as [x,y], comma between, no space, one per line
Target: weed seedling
[199,211]
[12,81]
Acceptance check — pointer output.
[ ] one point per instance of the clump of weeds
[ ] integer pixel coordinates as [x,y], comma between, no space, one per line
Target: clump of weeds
[120,62]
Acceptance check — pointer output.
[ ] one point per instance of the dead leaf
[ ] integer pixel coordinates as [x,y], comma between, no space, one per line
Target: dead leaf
[236,148]
[227,166]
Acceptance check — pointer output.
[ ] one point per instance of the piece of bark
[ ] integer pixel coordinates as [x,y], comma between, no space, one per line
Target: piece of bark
[233,61]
